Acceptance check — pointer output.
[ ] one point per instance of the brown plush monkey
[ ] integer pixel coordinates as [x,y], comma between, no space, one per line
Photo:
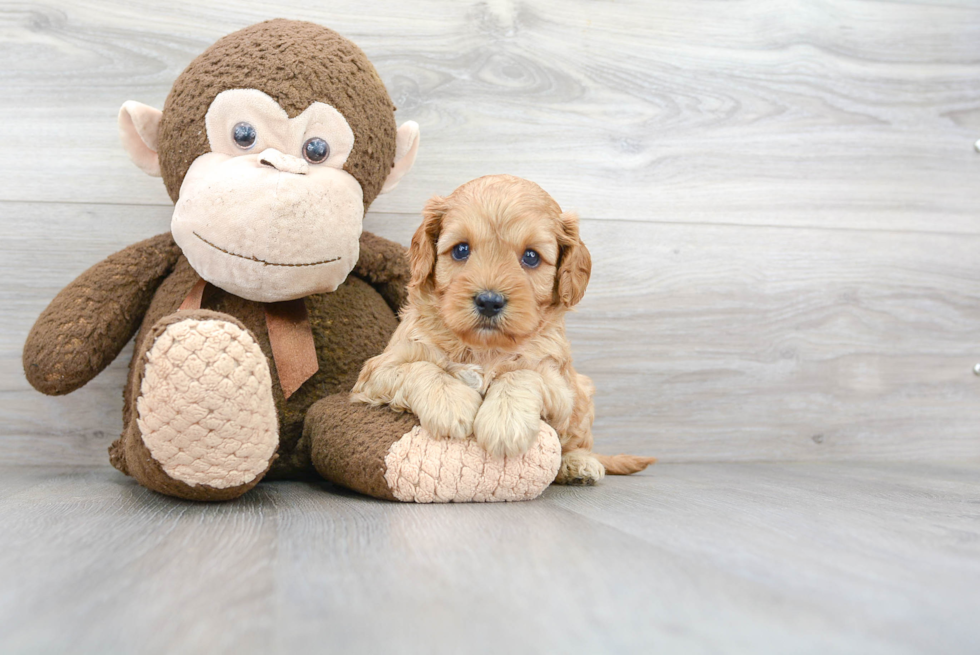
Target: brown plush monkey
[272,144]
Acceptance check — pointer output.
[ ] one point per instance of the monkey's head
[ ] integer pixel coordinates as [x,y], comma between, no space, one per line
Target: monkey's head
[272,144]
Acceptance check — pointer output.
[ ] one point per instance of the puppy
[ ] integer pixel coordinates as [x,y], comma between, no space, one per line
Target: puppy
[481,348]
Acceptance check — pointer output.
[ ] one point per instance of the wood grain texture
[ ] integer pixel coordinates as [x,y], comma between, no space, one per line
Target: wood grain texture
[782,200]
[829,113]
[692,558]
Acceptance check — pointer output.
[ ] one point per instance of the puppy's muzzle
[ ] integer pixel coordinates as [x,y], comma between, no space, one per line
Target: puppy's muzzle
[489,303]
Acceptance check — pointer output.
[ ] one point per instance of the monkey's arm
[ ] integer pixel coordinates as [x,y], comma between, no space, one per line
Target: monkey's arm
[90,321]
[384,265]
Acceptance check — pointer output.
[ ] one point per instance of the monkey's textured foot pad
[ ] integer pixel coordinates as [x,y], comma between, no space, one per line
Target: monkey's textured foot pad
[206,412]
[421,469]
[386,454]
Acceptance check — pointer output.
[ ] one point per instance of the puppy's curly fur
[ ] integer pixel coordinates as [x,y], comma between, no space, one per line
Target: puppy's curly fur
[463,372]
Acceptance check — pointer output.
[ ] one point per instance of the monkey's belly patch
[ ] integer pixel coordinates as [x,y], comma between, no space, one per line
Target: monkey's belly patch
[206,411]
[421,469]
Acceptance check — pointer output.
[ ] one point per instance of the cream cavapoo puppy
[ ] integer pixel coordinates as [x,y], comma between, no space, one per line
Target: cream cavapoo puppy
[481,348]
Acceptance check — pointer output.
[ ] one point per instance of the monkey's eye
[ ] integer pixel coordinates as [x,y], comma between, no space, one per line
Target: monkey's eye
[531,258]
[316,150]
[461,251]
[244,135]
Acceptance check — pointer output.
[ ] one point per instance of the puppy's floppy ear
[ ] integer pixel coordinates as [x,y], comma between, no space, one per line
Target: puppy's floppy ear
[422,252]
[574,262]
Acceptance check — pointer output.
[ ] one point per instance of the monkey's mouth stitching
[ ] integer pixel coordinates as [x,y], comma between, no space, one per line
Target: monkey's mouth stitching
[256,259]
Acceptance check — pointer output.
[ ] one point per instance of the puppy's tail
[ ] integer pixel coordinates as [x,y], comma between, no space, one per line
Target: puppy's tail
[624,464]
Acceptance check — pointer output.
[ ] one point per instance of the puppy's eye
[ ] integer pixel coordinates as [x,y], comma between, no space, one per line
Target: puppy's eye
[244,135]
[316,150]
[461,251]
[531,258]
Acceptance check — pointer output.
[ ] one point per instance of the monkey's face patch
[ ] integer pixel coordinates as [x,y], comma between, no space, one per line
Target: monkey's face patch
[270,214]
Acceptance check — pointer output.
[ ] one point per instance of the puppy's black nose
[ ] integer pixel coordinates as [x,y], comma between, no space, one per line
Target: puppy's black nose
[489,303]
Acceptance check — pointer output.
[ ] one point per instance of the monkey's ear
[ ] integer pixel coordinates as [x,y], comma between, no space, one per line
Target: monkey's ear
[406,147]
[139,129]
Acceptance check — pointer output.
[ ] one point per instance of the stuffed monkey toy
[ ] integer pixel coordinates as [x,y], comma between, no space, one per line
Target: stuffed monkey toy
[254,315]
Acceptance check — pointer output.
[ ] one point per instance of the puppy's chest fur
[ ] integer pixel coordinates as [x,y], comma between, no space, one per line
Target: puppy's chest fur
[478,375]
[478,368]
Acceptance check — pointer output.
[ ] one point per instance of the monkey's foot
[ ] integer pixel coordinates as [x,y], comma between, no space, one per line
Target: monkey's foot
[379,452]
[205,415]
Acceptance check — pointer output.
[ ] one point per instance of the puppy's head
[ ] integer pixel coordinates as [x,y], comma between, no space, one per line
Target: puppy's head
[496,260]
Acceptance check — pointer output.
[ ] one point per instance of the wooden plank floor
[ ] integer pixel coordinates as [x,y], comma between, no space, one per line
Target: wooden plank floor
[693,558]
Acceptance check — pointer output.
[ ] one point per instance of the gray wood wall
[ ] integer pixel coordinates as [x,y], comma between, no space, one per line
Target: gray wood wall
[782,198]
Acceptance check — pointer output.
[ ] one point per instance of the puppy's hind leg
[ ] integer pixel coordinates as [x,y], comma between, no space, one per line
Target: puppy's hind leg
[580,467]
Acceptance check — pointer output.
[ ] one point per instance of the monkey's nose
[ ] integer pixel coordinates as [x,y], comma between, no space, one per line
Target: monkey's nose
[283,162]
[489,303]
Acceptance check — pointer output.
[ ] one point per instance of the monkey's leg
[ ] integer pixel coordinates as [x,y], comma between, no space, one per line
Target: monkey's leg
[384,454]
[205,425]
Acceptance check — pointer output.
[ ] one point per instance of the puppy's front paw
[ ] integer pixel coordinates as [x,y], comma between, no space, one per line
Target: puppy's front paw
[449,411]
[579,467]
[506,428]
